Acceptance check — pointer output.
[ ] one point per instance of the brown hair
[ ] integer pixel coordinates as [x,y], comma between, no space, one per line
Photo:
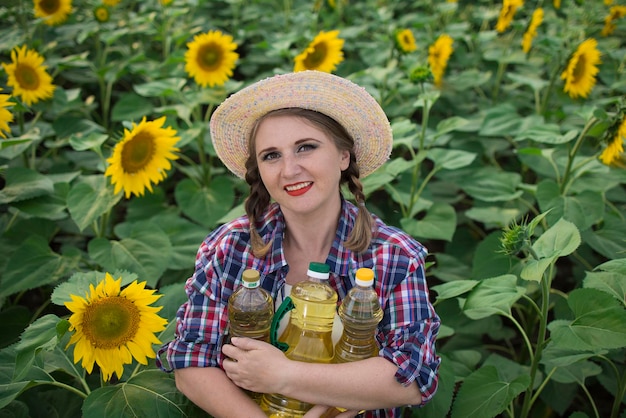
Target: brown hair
[259,199]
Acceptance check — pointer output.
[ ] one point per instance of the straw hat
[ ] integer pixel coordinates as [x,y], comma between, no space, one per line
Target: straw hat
[349,104]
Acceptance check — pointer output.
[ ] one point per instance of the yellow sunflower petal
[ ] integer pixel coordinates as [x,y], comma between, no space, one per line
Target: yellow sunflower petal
[507,12]
[53,12]
[113,326]
[6,116]
[28,77]
[581,70]
[324,53]
[438,55]
[210,58]
[142,157]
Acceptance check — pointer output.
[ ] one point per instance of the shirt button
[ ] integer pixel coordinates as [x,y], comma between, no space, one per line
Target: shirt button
[421,338]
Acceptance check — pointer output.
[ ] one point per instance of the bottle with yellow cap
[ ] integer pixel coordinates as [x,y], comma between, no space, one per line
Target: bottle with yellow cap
[308,334]
[250,312]
[360,314]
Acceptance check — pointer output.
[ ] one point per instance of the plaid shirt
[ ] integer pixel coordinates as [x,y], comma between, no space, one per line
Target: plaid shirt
[406,334]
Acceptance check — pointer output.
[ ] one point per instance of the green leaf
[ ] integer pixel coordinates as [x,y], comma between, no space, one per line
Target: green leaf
[40,335]
[492,185]
[146,251]
[450,124]
[23,183]
[609,240]
[92,141]
[561,239]
[547,133]
[149,394]
[439,223]
[610,282]
[577,372]
[205,205]
[484,394]
[533,269]
[553,356]
[584,209]
[89,200]
[185,237]
[450,159]
[533,82]
[34,264]
[494,216]
[160,88]
[453,289]
[493,296]
[130,107]
[501,120]
[10,388]
[598,324]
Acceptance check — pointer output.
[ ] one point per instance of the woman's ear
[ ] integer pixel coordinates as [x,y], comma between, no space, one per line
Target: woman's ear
[344,162]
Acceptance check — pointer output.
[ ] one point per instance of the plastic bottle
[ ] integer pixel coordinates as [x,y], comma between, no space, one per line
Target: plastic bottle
[360,314]
[308,334]
[250,313]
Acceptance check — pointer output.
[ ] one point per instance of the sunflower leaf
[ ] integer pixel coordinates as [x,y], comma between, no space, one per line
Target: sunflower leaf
[150,393]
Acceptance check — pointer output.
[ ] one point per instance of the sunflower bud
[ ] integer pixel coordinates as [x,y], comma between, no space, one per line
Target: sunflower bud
[514,238]
[420,74]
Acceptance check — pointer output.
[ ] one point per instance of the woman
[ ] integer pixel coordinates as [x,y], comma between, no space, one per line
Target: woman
[296,139]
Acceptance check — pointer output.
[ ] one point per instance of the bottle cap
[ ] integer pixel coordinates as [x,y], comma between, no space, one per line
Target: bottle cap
[318,270]
[250,278]
[364,277]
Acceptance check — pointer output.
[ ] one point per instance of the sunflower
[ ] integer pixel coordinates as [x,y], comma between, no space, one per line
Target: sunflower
[141,157]
[111,3]
[53,12]
[438,56]
[113,326]
[102,13]
[405,41]
[323,54]
[531,32]
[28,76]
[509,7]
[581,70]
[616,12]
[556,4]
[613,153]
[210,58]
[6,117]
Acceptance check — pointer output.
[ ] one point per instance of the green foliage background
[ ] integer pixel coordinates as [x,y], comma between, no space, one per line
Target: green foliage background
[535,331]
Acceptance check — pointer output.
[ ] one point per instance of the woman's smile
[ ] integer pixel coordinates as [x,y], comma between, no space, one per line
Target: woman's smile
[298,189]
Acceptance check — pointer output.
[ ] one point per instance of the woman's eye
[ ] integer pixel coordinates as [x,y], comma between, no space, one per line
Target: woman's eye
[307,147]
[270,156]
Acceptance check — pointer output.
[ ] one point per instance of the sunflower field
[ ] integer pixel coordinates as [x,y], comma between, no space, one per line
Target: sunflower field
[509,123]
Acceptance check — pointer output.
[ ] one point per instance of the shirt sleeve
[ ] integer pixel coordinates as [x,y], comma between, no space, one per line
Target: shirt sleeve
[201,321]
[410,327]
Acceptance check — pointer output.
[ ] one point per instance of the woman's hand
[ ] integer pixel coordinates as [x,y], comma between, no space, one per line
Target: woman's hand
[254,365]
[322,411]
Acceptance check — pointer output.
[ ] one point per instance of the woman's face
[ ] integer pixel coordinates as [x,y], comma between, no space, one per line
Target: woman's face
[299,164]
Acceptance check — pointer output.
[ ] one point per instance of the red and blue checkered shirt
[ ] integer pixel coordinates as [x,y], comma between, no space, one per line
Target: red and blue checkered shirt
[406,334]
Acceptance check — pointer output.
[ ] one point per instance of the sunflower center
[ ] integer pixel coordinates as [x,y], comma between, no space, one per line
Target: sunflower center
[111,322]
[27,77]
[210,56]
[50,6]
[138,152]
[317,57]
[579,68]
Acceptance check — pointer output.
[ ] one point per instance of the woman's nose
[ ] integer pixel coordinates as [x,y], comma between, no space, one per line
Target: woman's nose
[291,166]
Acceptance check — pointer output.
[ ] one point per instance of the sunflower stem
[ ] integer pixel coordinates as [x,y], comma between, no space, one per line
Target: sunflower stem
[64,386]
[548,91]
[574,151]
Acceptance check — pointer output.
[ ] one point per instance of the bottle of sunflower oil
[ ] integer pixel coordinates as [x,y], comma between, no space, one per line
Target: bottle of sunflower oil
[308,334]
[250,312]
[360,314]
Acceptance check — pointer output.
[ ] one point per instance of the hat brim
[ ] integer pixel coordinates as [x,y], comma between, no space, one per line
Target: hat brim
[341,99]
